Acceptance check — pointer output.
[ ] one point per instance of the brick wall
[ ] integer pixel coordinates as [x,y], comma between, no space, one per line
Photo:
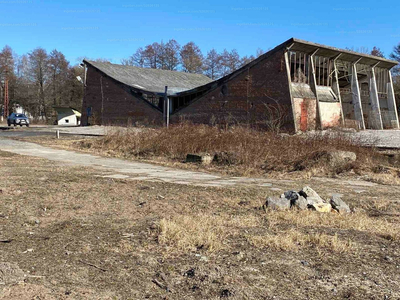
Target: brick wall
[120,107]
[243,99]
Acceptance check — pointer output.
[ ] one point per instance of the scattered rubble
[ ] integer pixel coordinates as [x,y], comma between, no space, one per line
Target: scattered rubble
[307,198]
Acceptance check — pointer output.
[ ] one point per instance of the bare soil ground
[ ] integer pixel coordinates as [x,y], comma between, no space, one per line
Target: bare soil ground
[66,233]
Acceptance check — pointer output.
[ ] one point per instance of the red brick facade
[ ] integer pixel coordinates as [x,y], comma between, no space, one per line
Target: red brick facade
[117,106]
[240,98]
[244,98]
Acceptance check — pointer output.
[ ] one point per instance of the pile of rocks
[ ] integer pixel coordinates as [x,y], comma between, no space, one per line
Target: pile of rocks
[307,198]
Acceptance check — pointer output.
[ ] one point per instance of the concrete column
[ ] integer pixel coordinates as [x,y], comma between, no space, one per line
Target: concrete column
[290,89]
[355,91]
[373,96]
[336,88]
[392,100]
[313,85]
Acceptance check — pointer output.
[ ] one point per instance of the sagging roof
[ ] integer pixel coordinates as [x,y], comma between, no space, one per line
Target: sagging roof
[151,80]
[331,52]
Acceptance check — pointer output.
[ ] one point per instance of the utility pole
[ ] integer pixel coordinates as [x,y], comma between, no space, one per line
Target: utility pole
[166,107]
[6,99]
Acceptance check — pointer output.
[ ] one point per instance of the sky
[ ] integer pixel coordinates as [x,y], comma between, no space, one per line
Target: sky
[113,30]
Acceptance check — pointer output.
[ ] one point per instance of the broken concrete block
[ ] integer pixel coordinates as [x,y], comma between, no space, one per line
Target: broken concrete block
[339,205]
[204,159]
[276,203]
[311,195]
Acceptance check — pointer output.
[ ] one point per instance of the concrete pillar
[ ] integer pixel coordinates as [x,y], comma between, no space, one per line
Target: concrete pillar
[392,100]
[336,88]
[290,88]
[355,91]
[313,85]
[373,96]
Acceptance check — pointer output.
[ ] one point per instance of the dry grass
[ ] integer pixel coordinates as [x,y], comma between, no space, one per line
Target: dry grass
[248,150]
[188,233]
[293,240]
[355,221]
[285,231]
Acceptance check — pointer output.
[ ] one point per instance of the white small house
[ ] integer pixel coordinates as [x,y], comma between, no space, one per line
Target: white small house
[68,116]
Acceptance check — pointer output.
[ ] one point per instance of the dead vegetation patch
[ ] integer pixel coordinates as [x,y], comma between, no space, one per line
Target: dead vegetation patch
[209,232]
[355,221]
[244,150]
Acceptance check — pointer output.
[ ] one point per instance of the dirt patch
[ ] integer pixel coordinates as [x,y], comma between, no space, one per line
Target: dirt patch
[77,235]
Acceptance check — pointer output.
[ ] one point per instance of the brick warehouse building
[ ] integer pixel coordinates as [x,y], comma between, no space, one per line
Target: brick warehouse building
[301,84]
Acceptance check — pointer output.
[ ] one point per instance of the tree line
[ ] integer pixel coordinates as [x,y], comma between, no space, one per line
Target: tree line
[39,80]
[188,58]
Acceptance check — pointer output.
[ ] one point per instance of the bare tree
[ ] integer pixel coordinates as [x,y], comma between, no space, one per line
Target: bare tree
[230,61]
[191,58]
[259,52]
[377,52]
[6,60]
[246,59]
[7,71]
[171,55]
[137,59]
[58,69]
[38,61]
[212,64]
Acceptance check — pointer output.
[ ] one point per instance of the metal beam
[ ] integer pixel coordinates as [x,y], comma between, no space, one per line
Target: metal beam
[313,85]
[392,100]
[335,86]
[355,91]
[373,96]
[290,90]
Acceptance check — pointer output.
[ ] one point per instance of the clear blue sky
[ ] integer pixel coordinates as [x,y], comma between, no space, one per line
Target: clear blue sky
[115,29]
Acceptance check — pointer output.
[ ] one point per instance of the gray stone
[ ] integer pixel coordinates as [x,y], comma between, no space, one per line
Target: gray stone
[339,205]
[301,203]
[204,158]
[291,195]
[276,203]
[309,193]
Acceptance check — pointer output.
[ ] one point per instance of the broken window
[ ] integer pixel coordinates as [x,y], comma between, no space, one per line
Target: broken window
[299,67]
[301,70]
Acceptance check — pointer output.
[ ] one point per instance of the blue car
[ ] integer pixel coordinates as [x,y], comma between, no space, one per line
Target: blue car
[18,119]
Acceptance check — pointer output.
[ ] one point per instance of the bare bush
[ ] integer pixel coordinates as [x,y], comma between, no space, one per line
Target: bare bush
[254,151]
